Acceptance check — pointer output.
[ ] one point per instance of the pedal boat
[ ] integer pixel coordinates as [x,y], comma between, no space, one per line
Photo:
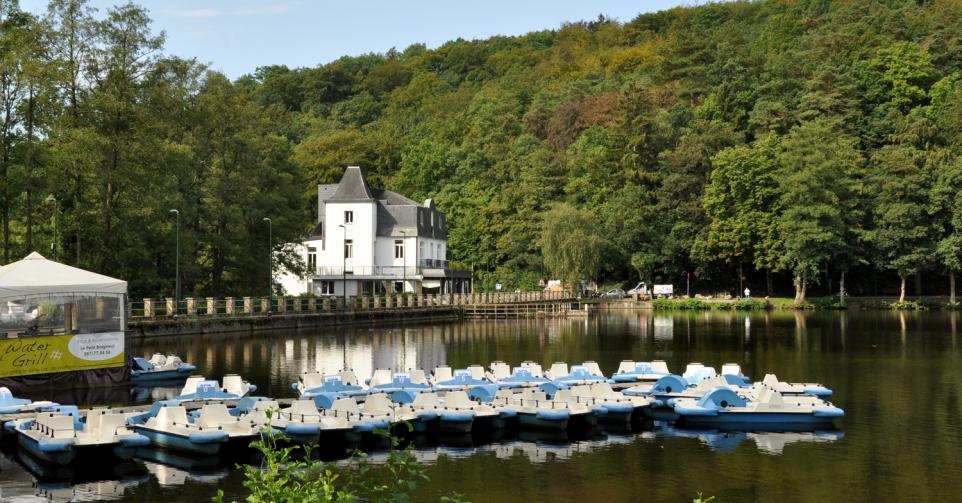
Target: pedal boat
[160,368]
[60,436]
[630,371]
[314,383]
[770,410]
[196,388]
[167,426]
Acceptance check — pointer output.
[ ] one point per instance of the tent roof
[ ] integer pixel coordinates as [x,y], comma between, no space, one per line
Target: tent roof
[35,276]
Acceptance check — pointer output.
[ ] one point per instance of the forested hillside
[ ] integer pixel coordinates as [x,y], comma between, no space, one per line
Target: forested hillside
[789,141]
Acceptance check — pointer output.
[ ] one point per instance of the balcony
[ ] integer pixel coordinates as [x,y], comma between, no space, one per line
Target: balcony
[433,263]
[387,272]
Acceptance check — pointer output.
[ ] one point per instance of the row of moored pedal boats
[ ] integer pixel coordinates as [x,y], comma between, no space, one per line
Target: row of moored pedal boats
[334,408]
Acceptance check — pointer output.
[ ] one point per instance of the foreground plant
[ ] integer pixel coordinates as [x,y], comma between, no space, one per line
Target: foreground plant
[289,475]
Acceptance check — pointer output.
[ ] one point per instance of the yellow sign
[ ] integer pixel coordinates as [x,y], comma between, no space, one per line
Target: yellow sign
[60,353]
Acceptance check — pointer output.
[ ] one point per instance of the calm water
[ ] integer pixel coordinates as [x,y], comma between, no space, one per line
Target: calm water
[897,376]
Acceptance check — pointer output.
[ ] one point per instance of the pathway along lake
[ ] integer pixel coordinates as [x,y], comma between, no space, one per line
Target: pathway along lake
[897,375]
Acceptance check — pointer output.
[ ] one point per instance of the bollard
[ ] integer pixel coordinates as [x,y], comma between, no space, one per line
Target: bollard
[297,304]
[248,305]
[229,306]
[339,303]
[377,302]
[265,305]
[312,305]
[191,306]
[326,304]
[211,306]
[169,306]
[282,304]
[148,308]
[365,303]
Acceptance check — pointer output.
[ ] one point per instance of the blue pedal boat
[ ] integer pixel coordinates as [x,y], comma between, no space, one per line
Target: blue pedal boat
[769,410]
[167,426]
[10,404]
[630,371]
[521,377]
[61,436]
[313,383]
[462,380]
[160,368]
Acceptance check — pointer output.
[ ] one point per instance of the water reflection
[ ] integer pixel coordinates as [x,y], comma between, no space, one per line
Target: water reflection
[767,442]
[896,375]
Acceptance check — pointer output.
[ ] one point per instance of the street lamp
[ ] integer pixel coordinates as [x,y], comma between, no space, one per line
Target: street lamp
[56,209]
[177,266]
[344,262]
[270,263]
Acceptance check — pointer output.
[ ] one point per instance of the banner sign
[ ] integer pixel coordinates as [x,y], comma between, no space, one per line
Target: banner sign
[60,353]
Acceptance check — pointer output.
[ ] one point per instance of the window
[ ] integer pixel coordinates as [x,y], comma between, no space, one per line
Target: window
[324,287]
[312,258]
[441,251]
[349,217]
[398,248]
[421,250]
[432,219]
[432,251]
[348,248]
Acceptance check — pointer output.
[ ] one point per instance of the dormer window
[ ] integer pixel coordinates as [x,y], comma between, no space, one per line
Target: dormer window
[349,217]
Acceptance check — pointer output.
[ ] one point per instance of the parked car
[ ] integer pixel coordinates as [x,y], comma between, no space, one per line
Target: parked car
[616,293]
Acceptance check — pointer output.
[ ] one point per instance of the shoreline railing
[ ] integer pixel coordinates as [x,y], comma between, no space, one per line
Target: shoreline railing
[231,307]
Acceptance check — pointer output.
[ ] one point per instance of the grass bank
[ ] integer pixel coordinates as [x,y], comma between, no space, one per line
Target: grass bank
[813,303]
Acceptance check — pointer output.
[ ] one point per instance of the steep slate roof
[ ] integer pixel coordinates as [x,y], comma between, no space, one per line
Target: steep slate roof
[353,187]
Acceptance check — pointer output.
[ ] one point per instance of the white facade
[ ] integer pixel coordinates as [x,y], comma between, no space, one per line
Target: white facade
[374,242]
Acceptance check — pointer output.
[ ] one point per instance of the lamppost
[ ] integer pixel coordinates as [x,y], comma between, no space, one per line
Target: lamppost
[56,209]
[177,265]
[344,263]
[270,264]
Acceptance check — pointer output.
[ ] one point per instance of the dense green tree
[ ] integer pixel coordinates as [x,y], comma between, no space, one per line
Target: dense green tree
[816,171]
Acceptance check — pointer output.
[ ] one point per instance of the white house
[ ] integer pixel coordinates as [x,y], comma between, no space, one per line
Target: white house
[374,241]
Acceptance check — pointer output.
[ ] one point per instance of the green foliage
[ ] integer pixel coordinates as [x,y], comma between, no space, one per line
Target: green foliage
[698,304]
[776,138]
[570,243]
[702,499]
[291,474]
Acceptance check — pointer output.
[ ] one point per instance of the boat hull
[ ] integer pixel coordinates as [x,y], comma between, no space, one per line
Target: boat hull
[773,421]
[544,420]
[183,443]
[58,453]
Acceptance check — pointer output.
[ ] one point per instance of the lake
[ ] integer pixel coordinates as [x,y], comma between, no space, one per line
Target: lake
[897,375]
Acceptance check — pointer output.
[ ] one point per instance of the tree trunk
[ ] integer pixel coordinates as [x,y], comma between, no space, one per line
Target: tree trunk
[841,289]
[952,287]
[902,289]
[800,284]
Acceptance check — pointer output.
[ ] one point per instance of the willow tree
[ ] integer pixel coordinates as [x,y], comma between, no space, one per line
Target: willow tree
[570,243]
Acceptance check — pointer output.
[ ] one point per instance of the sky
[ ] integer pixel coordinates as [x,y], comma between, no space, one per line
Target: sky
[237,36]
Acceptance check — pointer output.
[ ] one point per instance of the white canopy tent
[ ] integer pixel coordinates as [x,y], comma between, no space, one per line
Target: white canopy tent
[35,276]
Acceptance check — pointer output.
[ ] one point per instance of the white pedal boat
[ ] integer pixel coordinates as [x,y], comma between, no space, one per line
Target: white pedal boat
[168,426]
[722,407]
[60,436]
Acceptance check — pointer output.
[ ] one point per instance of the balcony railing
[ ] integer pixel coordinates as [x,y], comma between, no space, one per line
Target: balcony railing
[432,262]
[385,271]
